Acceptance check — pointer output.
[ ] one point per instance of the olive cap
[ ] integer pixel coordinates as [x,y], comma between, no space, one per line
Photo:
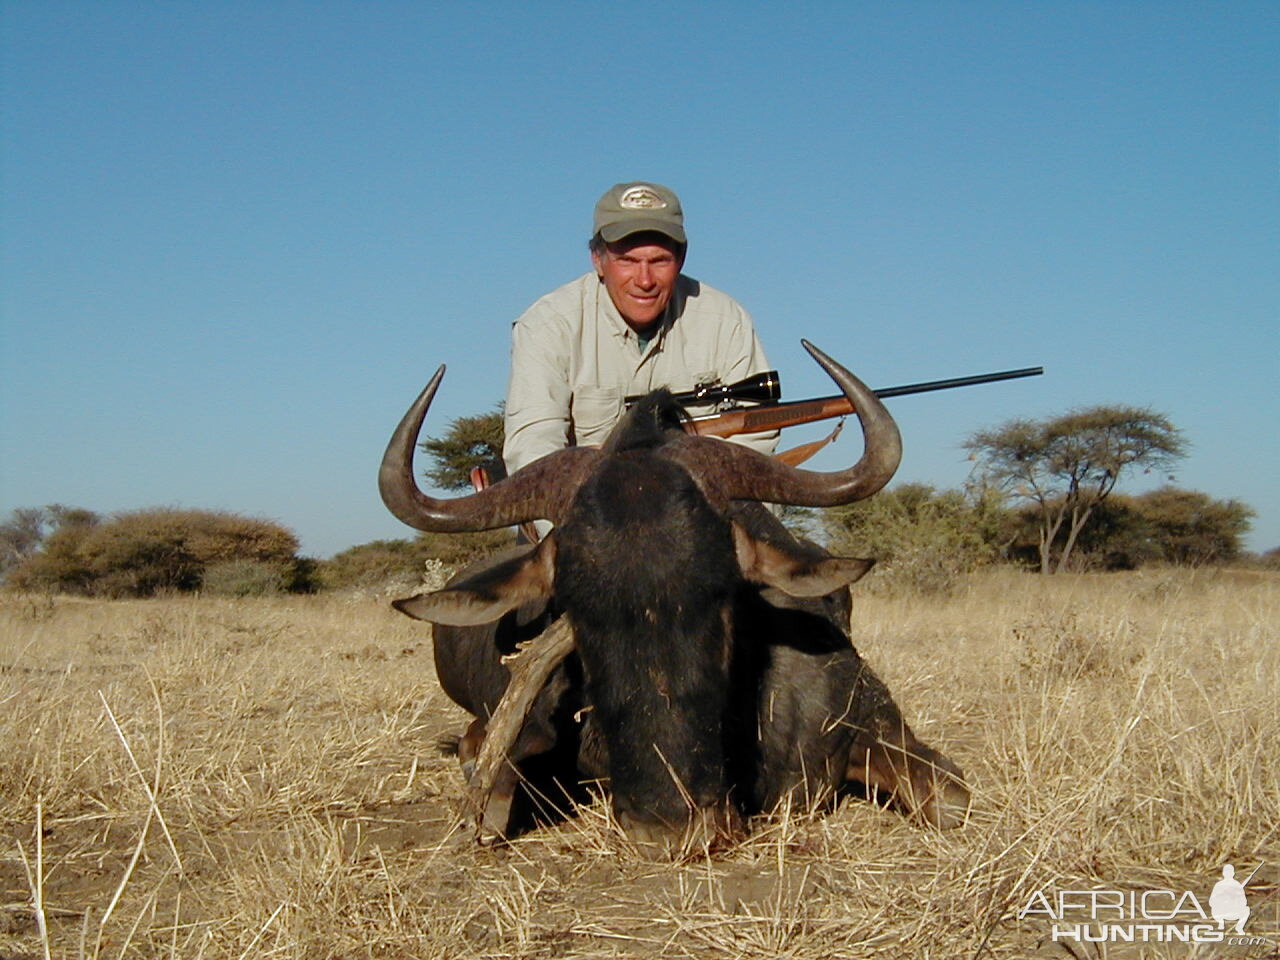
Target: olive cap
[638,206]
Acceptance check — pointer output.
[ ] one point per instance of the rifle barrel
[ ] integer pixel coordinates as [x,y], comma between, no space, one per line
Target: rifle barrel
[929,385]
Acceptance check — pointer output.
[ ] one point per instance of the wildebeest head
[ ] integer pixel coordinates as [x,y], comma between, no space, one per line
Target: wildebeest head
[645,563]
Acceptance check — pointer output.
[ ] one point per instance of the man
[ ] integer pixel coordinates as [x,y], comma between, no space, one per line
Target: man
[1227,901]
[633,323]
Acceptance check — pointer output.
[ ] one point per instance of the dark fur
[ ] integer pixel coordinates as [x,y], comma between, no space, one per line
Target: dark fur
[685,712]
[645,571]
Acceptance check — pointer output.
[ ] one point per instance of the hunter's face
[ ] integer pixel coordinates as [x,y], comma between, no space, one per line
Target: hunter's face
[640,274]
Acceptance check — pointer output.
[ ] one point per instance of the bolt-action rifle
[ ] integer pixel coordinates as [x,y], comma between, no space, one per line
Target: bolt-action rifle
[753,405]
[767,412]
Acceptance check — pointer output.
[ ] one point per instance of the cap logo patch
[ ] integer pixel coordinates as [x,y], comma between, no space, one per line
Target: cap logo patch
[640,198]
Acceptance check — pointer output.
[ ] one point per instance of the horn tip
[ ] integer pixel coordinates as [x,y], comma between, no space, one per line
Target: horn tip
[815,352]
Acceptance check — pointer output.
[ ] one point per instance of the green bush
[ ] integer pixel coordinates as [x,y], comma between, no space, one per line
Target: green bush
[924,539]
[1167,525]
[1192,528]
[459,549]
[383,561]
[246,578]
[373,563]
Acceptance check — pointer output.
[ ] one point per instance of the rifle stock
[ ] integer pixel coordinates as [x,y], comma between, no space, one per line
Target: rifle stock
[772,416]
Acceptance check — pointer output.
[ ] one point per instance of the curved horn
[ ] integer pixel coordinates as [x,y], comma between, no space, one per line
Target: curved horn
[733,472]
[542,490]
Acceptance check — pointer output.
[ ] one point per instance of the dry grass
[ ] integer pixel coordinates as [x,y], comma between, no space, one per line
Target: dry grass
[257,778]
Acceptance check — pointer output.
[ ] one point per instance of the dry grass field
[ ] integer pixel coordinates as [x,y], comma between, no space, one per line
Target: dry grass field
[205,778]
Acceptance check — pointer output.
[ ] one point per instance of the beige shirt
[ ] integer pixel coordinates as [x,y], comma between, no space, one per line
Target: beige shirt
[574,360]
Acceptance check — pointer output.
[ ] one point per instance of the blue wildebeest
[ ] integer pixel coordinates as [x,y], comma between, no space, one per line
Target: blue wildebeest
[712,674]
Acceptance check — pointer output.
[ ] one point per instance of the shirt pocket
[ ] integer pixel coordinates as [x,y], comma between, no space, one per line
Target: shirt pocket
[594,412]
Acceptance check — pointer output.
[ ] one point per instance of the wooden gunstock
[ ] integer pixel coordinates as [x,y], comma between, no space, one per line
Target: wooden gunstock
[773,416]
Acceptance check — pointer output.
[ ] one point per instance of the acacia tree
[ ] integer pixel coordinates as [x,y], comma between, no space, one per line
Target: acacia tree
[1065,466]
[472,441]
[469,442]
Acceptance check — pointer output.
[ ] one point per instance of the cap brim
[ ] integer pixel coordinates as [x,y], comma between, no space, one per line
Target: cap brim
[614,232]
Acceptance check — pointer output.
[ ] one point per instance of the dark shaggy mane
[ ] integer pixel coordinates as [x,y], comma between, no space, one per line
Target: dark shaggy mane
[648,424]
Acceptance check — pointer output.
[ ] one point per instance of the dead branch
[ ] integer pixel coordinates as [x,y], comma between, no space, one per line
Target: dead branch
[529,667]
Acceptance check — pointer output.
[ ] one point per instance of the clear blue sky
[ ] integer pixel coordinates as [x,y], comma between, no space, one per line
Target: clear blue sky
[238,237]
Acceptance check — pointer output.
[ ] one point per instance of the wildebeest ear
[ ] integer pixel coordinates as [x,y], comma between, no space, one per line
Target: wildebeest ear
[793,572]
[488,594]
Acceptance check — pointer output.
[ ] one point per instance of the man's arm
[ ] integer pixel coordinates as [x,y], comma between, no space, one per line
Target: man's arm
[538,392]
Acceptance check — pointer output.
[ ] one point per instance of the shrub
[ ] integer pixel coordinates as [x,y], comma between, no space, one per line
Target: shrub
[1193,528]
[245,578]
[28,527]
[144,552]
[924,539]
[58,566]
[1057,646]
[1168,525]
[382,561]
[459,549]
[1118,537]
[372,563]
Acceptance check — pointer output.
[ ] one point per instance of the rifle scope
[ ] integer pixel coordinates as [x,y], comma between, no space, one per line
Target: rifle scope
[761,388]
